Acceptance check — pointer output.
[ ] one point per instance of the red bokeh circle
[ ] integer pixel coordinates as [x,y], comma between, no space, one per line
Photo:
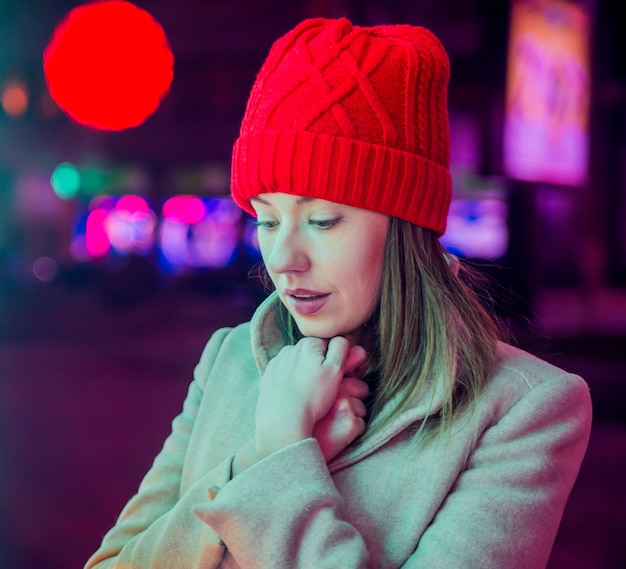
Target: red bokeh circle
[108,65]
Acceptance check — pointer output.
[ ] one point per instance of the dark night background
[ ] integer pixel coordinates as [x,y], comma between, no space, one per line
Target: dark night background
[95,358]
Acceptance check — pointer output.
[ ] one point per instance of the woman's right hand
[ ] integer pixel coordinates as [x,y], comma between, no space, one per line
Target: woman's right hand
[300,387]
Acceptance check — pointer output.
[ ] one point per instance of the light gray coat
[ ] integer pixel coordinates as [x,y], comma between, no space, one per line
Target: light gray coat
[490,496]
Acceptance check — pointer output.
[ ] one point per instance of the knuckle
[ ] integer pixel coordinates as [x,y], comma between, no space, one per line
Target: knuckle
[343,406]
[311,341]
[341,341]
[353,427]
[334,367]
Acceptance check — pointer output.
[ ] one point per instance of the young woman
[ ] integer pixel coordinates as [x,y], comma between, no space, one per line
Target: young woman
[367,416]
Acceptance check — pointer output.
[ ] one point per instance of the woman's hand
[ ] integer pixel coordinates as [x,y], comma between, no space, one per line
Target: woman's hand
[298,388]
[346,419]
[312,389]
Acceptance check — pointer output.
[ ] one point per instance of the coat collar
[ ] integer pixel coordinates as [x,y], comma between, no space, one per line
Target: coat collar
[267,341]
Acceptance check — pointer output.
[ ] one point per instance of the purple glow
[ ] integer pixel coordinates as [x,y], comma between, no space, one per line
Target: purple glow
[477,228]
[123,225]
[130,226]
[197,232]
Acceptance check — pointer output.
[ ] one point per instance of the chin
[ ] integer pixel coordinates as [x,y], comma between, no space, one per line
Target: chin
[315,331]
[322,330]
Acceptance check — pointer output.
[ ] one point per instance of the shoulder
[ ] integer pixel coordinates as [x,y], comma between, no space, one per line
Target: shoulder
[522,379]
[529,371]
[227,350]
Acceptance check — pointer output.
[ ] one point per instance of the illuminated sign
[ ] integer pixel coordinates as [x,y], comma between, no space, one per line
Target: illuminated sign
[547,92]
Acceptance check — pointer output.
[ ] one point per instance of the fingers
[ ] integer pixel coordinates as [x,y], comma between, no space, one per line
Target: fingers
[337,350]
[346,404]
[345,419]
[318,346]
[357,356]
[354,387]
[349,414]
[358,407]
[337,353]
[344,422]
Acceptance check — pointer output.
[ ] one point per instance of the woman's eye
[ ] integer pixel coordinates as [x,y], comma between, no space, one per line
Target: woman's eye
[265,224]
[325,223]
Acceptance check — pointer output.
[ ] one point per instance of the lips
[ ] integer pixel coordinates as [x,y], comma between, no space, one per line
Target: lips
[304,292]
[306,302]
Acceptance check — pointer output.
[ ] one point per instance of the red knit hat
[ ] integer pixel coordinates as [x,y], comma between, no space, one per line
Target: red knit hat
[352,115]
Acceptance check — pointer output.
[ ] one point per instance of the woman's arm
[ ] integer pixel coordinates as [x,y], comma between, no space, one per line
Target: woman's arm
[502,513]
[304,386]
[157,528]
[284,512]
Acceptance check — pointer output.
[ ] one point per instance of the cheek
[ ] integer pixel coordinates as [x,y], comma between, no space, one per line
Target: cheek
[369,288]
[365,275]
[265,248]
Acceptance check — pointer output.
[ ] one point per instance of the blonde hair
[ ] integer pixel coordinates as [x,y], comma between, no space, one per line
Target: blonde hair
[429,326]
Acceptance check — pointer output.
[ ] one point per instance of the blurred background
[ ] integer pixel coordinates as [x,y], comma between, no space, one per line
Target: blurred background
[121,252]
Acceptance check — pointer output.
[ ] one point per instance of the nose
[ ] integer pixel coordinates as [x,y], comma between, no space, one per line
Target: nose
[287,252]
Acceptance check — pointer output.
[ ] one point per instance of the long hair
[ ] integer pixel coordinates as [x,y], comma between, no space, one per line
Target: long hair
[429,327]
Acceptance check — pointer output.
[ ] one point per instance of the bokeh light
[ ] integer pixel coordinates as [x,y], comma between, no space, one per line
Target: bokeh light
[14,98]
[65,180]
[185,209]
[130,226]
[97,241]
[45,269]
[477,228]
[119,225]
[108,65]
[198,232]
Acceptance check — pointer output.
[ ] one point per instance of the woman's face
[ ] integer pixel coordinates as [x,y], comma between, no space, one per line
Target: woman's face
[325,260]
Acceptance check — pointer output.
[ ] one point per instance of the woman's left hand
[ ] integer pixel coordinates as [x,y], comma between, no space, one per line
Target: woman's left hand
[346,419]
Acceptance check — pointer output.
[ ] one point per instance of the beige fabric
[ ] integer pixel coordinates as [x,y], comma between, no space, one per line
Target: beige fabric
[489,496]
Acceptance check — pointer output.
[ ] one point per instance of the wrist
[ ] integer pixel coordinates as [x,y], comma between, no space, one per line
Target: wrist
[279,439]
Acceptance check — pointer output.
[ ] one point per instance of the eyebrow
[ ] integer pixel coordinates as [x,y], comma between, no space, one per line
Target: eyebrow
[298,202]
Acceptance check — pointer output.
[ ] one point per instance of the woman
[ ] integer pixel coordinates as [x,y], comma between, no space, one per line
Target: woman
[367,415]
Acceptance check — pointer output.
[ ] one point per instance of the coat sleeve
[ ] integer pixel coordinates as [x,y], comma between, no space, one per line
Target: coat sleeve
[503,512]
[157,528]
[285,512]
